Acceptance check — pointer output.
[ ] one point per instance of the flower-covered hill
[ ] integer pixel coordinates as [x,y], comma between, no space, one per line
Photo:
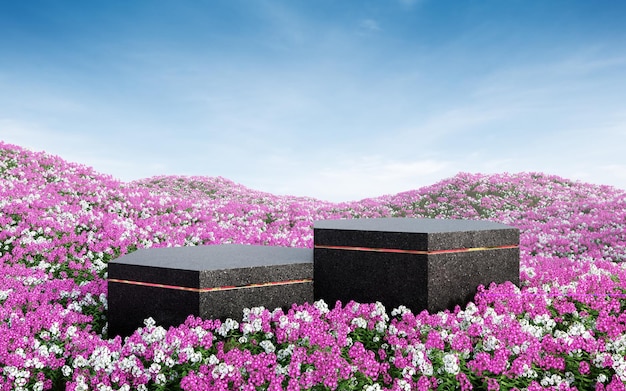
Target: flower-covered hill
[61,223]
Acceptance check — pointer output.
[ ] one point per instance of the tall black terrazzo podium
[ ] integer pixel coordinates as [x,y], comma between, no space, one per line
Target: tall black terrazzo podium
[419,263]
[169,284]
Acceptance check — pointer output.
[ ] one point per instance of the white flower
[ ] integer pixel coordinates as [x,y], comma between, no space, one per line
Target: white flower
[598,360]
[227,326]
[254,311]
[200,332]
[380,311]
[79,362]
[403,385]
[252,327]
[267,346]
[554,380]
[359,322]
[619,365]
[213,360]
[419,361]
[222,370]
[282,370]
[5,294]
[149,322]
[491,343]
[303,315]
[284,353]
[160,379]
[451,364]
[66,370]
[155,368]
[408,372]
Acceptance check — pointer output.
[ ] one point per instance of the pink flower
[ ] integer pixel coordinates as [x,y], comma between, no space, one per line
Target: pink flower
[583,368]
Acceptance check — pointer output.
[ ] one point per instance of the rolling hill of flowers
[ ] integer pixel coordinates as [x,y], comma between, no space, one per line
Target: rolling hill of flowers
[60,224]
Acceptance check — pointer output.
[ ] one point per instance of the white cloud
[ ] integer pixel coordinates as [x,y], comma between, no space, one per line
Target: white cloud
[370,25]
[408,3]
[353,178]
[104,154]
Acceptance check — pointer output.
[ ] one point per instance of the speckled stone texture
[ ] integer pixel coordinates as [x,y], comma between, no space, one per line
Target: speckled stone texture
[194,269]
[419,263]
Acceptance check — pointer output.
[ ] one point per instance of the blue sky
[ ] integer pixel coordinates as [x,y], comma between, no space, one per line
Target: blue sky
[338,100]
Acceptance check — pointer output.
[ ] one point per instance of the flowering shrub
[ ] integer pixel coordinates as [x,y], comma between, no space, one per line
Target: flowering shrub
[564,328]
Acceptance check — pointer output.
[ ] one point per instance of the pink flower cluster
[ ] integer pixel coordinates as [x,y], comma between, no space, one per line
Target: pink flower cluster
[60,223]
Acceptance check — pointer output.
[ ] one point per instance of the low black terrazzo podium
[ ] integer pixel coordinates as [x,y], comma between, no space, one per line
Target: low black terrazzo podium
[419,263]
[169,284]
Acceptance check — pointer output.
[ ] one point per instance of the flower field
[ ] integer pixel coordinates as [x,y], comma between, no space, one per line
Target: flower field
[60,223]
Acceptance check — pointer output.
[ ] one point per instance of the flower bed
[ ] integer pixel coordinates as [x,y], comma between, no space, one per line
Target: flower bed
[565,329]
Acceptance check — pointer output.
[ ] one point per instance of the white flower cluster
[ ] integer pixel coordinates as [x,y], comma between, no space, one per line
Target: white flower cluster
[400,311]
[252,327]
[102,359]
[372,387]
[380,310]
[283,323]
[20,376]
[598,360]
[222,370]
[619,366]
[201,332]
[151,334]
[556,380]
[403,385]
[529,372]
[491,343]
[359,322]
[451,364]
[268,346]
[5,294]
[418,360]
[227,326]
[521,348]
[321,306]
[81,383]
[393,330]
[257,311]
[212,360]
[304,316]
[132,365]
[543,325]
[618,345]
[284,353]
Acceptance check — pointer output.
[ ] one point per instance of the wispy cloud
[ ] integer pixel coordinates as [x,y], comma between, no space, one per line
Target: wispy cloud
[409,3]
[370,25]
[301,100]
[351,176]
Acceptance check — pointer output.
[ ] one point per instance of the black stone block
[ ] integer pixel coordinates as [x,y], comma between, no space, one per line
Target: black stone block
[419,263]
[169,284]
